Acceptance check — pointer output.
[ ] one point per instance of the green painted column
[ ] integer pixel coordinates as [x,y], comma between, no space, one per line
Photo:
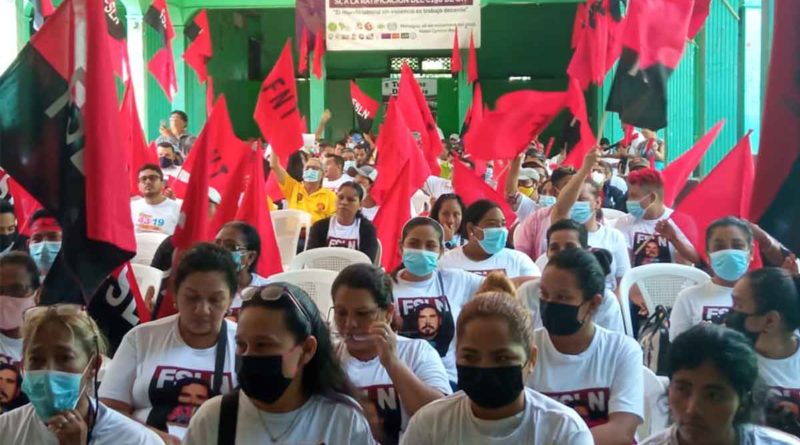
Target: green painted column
[316,95]
[464,94]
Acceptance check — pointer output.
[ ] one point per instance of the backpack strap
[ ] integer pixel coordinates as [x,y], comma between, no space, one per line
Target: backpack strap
[228,416]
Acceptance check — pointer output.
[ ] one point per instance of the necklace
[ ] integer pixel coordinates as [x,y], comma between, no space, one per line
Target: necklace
[276,439]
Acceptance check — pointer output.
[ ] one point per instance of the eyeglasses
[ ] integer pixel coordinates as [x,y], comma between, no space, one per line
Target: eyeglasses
[151,178]
[60,309]
[263,294]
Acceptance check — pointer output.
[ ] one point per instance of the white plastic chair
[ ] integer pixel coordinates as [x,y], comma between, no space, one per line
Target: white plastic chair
[541,262]
[316,282]
[659,285]
[328,258]
[656,410]
[146,277]
[288,224]
[146,245]
[421,202]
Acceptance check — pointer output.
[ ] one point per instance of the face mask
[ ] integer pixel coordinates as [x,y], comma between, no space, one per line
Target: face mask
[527,191]
[348,165]
[547,201]
[635,208]
[730,264]
[165,162]
[598,178]
[491,387]
[44,254]
[52,392]
[494,240]
[6,241]
[420,262]
[311,175]
[261,377]
[581,212]
[559,319]
[237,259]
[735,320]
[11,310]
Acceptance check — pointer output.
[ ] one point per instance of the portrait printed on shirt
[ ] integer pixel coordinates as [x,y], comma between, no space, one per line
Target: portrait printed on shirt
[386,403]
[650,249]
[590,404]
[11,395]
[715,314]
[177,393]
[428,318]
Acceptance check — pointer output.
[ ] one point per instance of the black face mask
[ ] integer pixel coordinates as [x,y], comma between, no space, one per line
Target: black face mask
[560,319]
[7,240]
[261,377]
[736,320]
[166,162]
[491,387]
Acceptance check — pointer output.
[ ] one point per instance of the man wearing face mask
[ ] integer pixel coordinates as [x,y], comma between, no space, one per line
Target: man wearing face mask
[45,241]
[310,195]
[649,219]
[8,227]
[168,160]
[156,212]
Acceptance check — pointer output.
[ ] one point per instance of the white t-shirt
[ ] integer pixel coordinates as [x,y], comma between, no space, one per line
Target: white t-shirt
[608,314]
[612,240]
[441,297]
[640,232]
[23,426]
[450,421]
[701,302]
[148,369]
[511,262]
[11,351]
[748,435]
[374,382]
[334,185]
[782,376]
[436,186]
[319,421]
[605,378]
[155,218]
[343,236]
[370,212]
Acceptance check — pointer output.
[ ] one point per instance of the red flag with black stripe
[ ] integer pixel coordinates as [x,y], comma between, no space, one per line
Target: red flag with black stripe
[118,306]
[162,65]
[655,37]
[775,205]
[365,108]
[199,50]
[55,130]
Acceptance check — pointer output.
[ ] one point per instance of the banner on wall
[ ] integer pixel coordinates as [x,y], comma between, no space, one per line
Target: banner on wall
[376,25]
[390,87]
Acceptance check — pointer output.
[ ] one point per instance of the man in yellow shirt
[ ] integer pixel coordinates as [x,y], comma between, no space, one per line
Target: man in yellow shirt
[308,195]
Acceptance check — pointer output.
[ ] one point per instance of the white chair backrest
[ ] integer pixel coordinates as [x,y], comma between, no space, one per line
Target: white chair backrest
[656,410]
[146,245]
[612,214]
[377,261]
[288,224]
[659,285]
[147,276]
[541,262]
[420,201]
[328,258]
[316,282]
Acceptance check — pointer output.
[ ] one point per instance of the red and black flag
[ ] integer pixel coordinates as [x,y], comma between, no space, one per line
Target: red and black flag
[365,108]
[655,36]
[162,65]
[55,130]
[597,30]
[580,139]
[119,306]
[775,205]
[118,42]
[199,50]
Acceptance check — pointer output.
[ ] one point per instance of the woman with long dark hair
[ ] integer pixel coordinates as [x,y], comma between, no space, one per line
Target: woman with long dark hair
[347,227]
[244,243]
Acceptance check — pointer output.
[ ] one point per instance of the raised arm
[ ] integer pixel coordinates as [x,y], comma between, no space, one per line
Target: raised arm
[323,121]
[275,165]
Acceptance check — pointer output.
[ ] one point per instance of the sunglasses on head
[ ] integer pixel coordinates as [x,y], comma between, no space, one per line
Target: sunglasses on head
[263,294]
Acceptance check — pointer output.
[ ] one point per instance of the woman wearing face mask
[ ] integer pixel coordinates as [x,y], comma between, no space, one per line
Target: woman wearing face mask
[144,379]
[605,368]
[293,389]
[563,235]
[347,228]
[712,394]
[448,210]
[244,244]
[19,280]
[495,355]
[484,227]
[428,298]
[45,241]
[729,244]
[309,195]
[62,353]
[766,309]
[398,375]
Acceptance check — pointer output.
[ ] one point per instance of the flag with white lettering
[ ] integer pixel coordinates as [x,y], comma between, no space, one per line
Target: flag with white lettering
[118,306]
[365,108]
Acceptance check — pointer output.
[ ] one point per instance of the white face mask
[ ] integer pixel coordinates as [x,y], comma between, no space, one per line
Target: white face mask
[598,178]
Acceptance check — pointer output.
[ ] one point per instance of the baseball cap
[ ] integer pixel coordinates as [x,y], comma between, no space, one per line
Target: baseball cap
[368,172]
[529,173]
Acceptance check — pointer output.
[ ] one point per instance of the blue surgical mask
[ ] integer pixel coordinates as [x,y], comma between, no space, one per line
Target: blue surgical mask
[581,212]
[635,208]
[237,259]
[494,239]
[311,175]
[44,254]
[52,392]
[730,264]
[547,201]
[348,165]
[420,262]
